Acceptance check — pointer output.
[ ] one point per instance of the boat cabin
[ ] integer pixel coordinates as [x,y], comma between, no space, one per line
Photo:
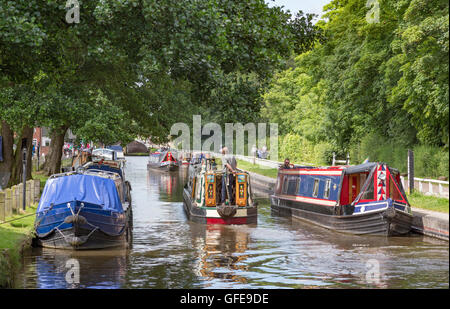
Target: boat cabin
[205,186]
[341,190]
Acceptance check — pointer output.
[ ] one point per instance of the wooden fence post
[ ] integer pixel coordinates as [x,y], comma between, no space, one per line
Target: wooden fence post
[29,200]
[37,189]
[8,205]
[2,206]
[20,186]
[410,165]
[17,205]
[13,199]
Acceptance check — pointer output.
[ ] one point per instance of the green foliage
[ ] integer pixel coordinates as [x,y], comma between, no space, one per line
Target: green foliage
[300,150]
[133,68]
[429,161]
[370,88]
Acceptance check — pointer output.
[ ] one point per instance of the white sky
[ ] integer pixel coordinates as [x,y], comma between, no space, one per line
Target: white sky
[307,6]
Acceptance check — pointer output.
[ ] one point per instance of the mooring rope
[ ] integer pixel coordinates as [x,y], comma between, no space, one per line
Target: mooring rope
[16,219]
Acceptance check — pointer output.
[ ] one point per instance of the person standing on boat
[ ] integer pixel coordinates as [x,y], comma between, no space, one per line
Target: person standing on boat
[229,167]
[287,164]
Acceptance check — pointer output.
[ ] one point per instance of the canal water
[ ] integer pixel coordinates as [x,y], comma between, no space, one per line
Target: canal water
[169,251]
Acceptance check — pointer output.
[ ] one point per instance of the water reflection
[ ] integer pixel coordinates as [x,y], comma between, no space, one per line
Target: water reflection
[221,252]
[58,269]
[170,183]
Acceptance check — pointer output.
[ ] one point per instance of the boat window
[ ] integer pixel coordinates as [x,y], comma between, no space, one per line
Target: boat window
[297,189]
[369,193]
[326,192]
[316,187]
[292,185]
[285,184]
[394,192]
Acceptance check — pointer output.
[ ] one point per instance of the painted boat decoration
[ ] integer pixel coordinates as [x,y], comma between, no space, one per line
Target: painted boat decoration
[362,199]
[164,160]
[202,196]
[87,209]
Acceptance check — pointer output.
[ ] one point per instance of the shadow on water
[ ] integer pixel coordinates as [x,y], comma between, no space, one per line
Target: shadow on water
[171,252]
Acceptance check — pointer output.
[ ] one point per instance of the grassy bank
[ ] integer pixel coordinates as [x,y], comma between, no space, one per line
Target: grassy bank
[15,236]
[255,168]
[433,203]
[137,154]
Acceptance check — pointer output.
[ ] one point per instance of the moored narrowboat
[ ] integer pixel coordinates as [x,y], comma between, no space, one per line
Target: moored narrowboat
[163,160]
[202,196]
[87,209]
[362,199]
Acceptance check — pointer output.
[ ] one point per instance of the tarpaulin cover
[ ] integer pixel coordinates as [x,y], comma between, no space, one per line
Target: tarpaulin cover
[84,188]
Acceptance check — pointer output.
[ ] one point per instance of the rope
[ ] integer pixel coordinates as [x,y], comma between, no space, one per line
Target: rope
[16,219]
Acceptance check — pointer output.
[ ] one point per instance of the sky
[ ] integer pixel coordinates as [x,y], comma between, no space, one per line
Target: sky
[307,6]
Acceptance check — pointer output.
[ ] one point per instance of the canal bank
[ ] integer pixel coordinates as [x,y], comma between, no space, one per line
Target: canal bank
[16,227]
[16,234]
[425,222]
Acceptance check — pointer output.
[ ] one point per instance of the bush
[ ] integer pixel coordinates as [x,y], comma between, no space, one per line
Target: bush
[300,150]
[429,161]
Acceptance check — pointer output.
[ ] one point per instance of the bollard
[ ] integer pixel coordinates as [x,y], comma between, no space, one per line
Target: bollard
[2,206]
[8,200]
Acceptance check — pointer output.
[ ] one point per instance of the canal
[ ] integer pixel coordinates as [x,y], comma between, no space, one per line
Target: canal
[168,251]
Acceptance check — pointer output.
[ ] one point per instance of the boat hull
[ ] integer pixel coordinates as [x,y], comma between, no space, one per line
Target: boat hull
[209,215]
[163,167]
[384,222]
[89,228]
[72,239]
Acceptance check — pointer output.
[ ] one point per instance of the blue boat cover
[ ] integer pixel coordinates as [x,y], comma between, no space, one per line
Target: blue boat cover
[115,147]
[84,188]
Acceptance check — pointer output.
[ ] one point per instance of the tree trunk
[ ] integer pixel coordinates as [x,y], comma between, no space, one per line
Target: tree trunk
[17,169]
[8,154]
[52,163]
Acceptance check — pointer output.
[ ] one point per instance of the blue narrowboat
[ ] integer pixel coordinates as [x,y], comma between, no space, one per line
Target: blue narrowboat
[362,199]
[86,209]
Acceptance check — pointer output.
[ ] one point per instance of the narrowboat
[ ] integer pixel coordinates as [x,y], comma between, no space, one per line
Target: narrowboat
[163,160]
[85,209]
[203,192]
[361,199]
[119,151]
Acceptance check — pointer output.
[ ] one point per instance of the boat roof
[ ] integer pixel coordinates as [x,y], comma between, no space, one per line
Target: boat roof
[89,188]
[346,169]
[361,168]
[104,167]
[115,147]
